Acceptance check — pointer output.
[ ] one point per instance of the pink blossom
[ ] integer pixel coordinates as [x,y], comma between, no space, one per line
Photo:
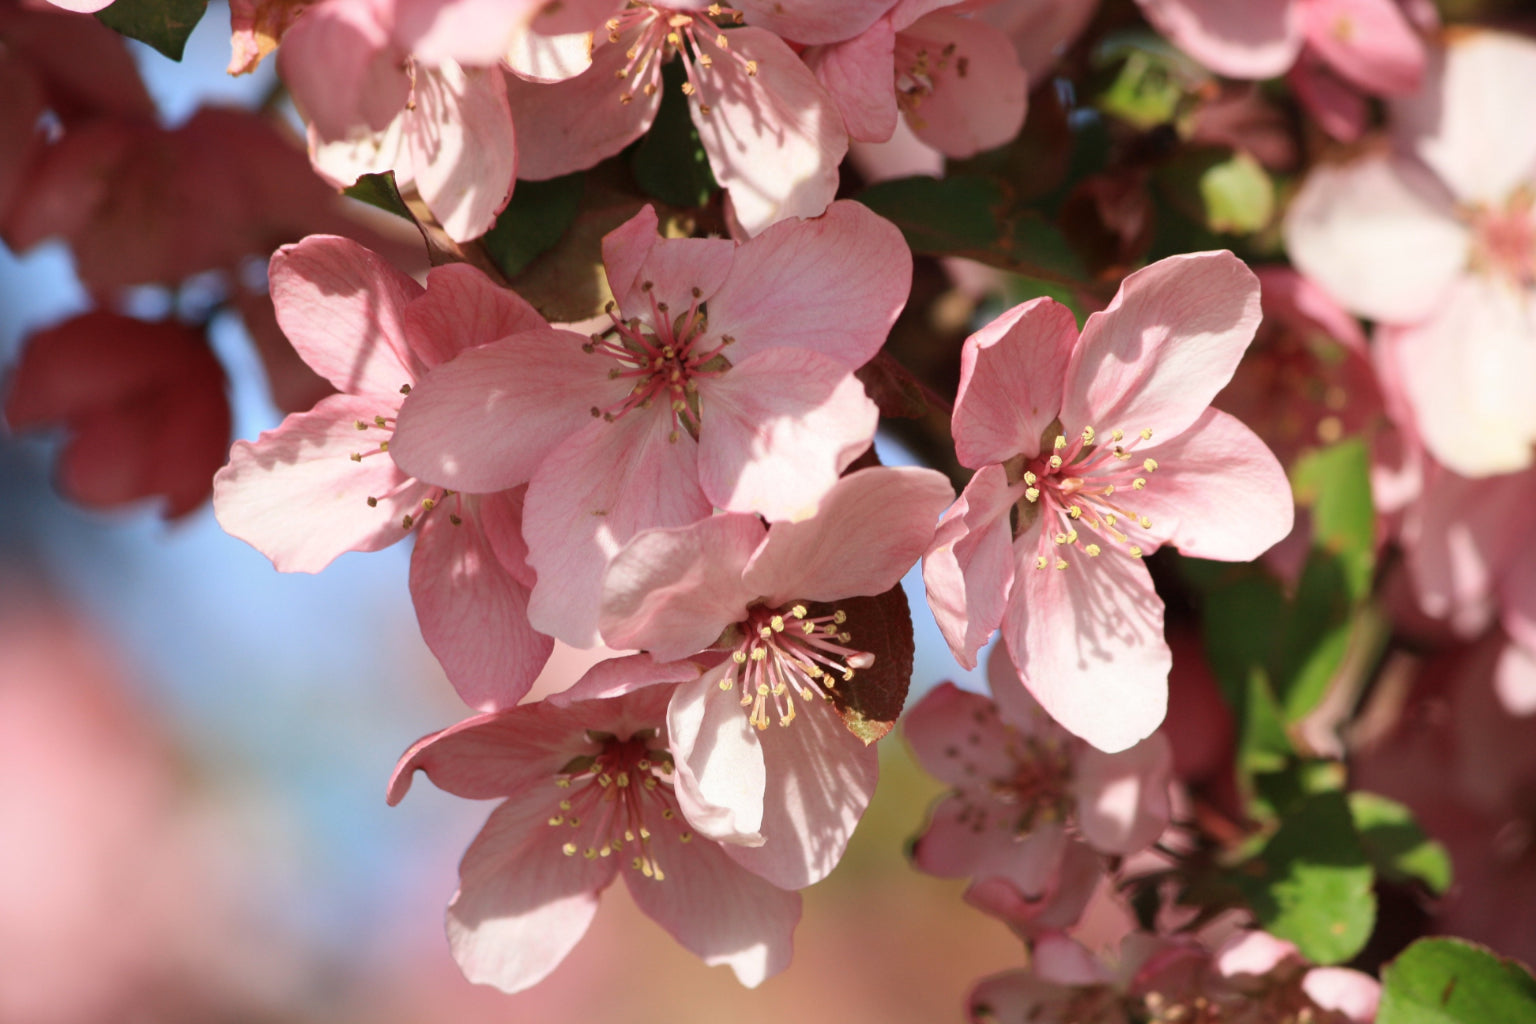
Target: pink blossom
[771,133]
[143,403]
[956,79]
[759,606]
[324,482]
[725,381]
[1040,29]
[590,794]
[1106,446]
[1438,238]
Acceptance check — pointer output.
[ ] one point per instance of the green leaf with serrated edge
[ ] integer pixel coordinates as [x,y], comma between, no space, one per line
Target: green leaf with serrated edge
[379,190]
[1395,845]
[535,218]
[163,24]
[1334,484]
[1451,981]
[669,163]
[1311,884]
[871,701]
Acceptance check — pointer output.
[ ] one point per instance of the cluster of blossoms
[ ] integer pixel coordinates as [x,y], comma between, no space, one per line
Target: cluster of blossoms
[682,477]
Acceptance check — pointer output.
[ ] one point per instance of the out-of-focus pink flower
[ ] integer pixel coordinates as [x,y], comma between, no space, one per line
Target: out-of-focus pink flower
[590,795]
[143,402]
[324,482]
[772,134]
[726,381]
[1040,29]
[1438,237]
[739,595]
[955,79]
[1106,446]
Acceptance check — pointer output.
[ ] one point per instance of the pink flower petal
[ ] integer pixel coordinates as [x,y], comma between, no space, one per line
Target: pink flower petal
[777,430]
[957,736]
[468,31]
[1122,799]
[978,101]
[522,905]
[1088,642]
[1464,533]
[1253,954]
[1164,347]
[342,307]
[473,613]
[671,592]
[343,71]
[674,268]
[834,285]
[605,484]
[462,309]
[501,517]
[1369,42]
[859,74]
[871,527]
[463,156]
[1339,108]
[969,568]
[538,56]
[1258,39]
[297,496]
[1218,492]
[1341,990]
[1514,680]
[1380,235]
[615,677]
[721,773]
[1011,376]
[774,137]
[819,780]
[813,21]
[486,419]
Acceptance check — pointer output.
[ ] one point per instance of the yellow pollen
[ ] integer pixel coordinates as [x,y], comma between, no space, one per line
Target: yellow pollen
[1030,478]
[740,658]
[1146,435]
[1055,462]
[569,849]
[1032,493]
[685,837]
[1071,536]
[1117,435]
[1109,519]
[622,779]
[1040,562]
[1075,511]
[1150,465]
[839,617]
[1135,551]
[1146,524]
[1061,538]
[798,611]
[1093,550]
[1138,483]
[557,820]
[1061,563]
[1087,435]
[777,622]
[751,66]
[759,654]
[1059,443]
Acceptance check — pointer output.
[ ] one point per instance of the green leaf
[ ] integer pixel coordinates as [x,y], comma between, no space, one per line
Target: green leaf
[1151,81]
[1450,981]
[534,220]
[379,190]
[1334,484]
[1395,845]
[1226,191]
[871,701]
[1311,884]
[163,24]
[669,163]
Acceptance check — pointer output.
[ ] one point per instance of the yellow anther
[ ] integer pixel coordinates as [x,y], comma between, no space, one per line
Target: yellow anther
[1150,465]
[569,849]
[685,837]
[1075,511]
[1093,550]
[751,67]
[1117,435]
[1040,562]
[589,853]
[839,616]
[1071,536]
[798,611]
[1032,493]
[557,820]
[666,813]
[1055,461]
[759,654]
[1030,479]
[1146,524]
[565,805]
[777,622]
[622,779]
[1087,435]
[740,658]
[1061,538]
[1061,563]
[563,783]
[1146,435]
[766,632]
[1135,551]
[1109,519]
[1138,483]
[1059,443]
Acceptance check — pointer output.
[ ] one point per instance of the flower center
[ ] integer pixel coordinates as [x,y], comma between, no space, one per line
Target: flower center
[1504,240]
[611,795]
[920,70]
[665,358]
[655,34]
[1091,485]
[787,653]
[435,496]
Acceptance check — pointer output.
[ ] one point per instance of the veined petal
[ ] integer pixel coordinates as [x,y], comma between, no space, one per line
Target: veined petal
[979,101]
[721,775]
[813,21]
[462,309]
[773,136]
[1218,492]
[1088,642]
[342,307]
[615,677]
[634,257]
[536,56]
[834,284]
[1122,799]
[1169,341]
[298,497]
[1011,376]
[463,156]
[1257,39]
[777,430]
[1380,235]
[939,728]
[968,570]
[486,419]
[859,72]
[343,71]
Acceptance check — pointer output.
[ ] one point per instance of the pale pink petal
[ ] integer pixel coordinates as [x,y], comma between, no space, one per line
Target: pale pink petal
[605,484]
[342,161]
[463,156]
[343,71]
[1471,120]
[721,774]
[957,736]
[872,526]
[671,592]
[1088,642]
[1369,42]
[462,309]
[641,266]
[777,430]
[1040,29]
[774,137]
[1514,680]
[813,21]
[1465,532]
[834,284]
[1122,799]
[1218,492]
[1257,39]
[615,677]
[969,568]
[1339,108]
[501,517]
[715,909]
[984,842]
[1341,990]
[1016,705]
[522,905]
[297,496]
[484,420]
[820,778]
[1011,375]
[536,56]
[342,307]
[473,613]
[468,31]
[1169,341]
[860,75]
[901,156]
[1252,954]
[978,101]
[1466,373]
[1380,235]
[571,125]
